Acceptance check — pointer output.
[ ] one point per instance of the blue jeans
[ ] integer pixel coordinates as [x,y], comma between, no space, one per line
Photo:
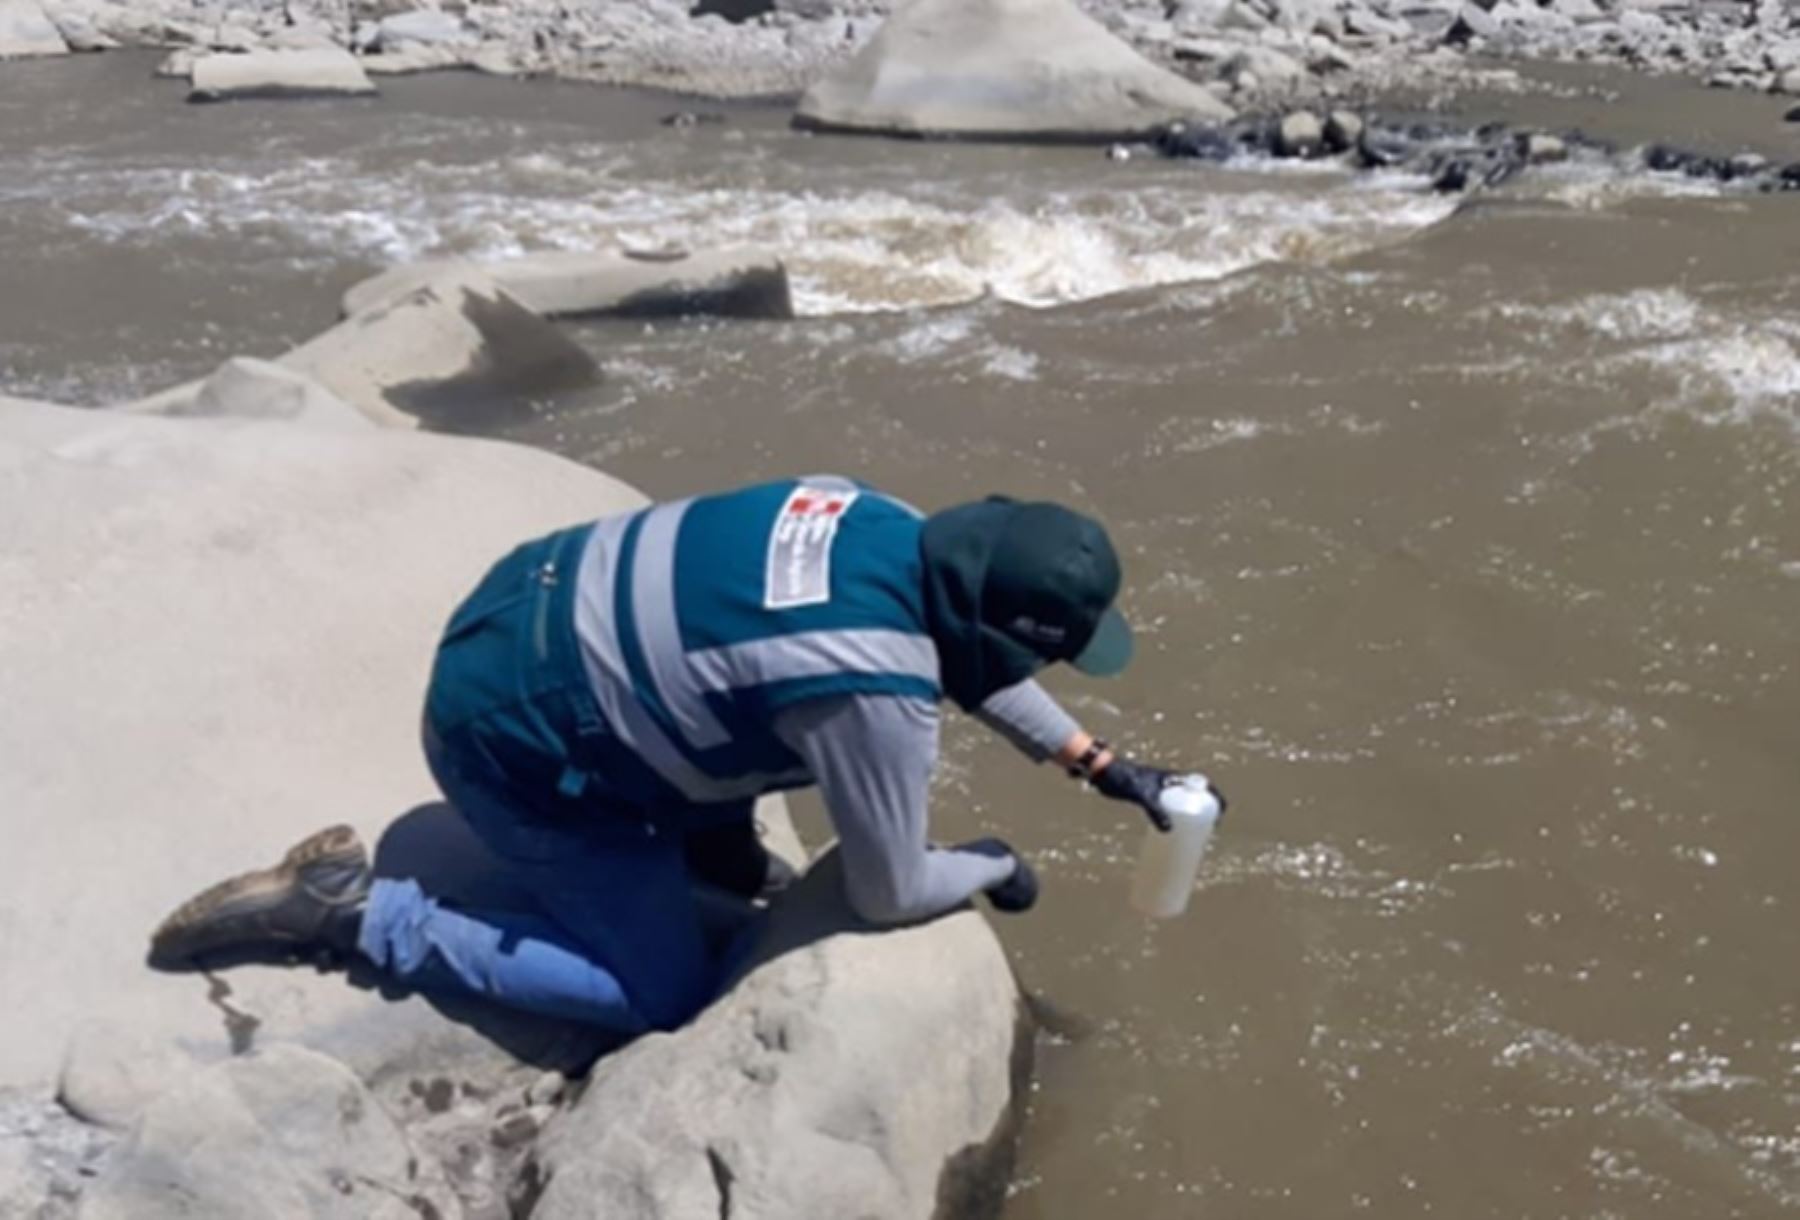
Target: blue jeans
[614,934]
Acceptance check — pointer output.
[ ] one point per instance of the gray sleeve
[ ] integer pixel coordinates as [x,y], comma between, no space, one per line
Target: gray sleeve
[1027,716]
[872,757]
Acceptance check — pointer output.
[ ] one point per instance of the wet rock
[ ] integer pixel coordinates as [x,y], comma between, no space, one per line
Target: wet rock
[685,119]
[1452,176]
[1747,165]
[291,1129]
[1003,68]
[740,282]
[309,73]
[25,32]
[1343,130]
[1789,177]
[1539,148]
[1200,142]
[1301,134]
[1383,148]
[1793,115]
[821,1086]
[1664,159]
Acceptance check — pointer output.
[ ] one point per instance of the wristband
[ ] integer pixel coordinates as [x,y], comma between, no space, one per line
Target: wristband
[1083,767]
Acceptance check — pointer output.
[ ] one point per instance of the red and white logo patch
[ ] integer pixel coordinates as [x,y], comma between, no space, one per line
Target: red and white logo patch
[798,570]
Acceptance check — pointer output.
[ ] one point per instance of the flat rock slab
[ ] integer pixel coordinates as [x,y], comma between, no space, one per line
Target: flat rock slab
[25,32]
[850,1073]
[1002,69]
[215,636]
[739,282]
[453,347]
[314,72]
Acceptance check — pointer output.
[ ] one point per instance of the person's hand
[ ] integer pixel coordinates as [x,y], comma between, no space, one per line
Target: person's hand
[1018,892]
[1142,785]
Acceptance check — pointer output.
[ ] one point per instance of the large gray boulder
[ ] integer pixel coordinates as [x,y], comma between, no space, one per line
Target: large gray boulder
[455,344]
[281,1134]
[850,1073]
[25,31]
[312,72]
[1038,69]
[215,635]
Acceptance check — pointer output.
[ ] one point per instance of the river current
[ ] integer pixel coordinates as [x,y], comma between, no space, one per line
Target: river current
[1464,539]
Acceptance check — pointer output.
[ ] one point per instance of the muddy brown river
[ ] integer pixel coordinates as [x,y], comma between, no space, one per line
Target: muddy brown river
[1465,541]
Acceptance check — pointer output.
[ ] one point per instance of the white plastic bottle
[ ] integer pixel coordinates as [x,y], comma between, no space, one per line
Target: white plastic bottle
[1170,861]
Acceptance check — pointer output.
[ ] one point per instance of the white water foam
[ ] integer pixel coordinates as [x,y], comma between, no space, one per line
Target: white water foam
[849,250]
[1723,365]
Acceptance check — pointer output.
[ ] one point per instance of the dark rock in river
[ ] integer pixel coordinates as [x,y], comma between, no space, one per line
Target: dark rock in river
[1383,148]
[1343,128]
[1202,143]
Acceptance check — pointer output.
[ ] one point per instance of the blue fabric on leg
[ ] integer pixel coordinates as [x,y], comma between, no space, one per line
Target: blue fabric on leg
[616,890]
[519,959]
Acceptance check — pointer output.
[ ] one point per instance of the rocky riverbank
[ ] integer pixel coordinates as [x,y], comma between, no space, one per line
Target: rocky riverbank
[1252,53]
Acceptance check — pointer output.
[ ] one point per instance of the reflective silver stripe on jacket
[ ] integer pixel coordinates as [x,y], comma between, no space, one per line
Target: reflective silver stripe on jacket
[812,654]
[626,716]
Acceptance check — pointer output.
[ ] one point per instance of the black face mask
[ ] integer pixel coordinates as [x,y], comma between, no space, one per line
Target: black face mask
[975,659]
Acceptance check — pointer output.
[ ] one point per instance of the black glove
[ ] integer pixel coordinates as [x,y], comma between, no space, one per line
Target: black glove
[1018,892]
[1124,780]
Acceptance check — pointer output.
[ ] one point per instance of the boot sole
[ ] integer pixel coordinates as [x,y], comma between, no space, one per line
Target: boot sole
[241,896]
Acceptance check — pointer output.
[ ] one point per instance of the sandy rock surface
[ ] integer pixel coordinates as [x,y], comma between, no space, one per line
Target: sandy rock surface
[217,635]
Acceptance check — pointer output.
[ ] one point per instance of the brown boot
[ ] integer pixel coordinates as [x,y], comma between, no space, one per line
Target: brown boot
[312,900]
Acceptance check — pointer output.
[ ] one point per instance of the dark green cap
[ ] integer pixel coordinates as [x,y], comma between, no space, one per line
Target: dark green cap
[1052,578]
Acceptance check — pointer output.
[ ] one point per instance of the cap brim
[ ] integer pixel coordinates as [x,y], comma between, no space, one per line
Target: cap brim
[1109,652]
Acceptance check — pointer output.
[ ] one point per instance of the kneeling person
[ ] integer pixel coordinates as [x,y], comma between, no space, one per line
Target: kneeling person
[609,702]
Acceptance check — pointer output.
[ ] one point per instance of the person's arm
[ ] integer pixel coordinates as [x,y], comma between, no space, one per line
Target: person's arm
[872,757]
[1026,715]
